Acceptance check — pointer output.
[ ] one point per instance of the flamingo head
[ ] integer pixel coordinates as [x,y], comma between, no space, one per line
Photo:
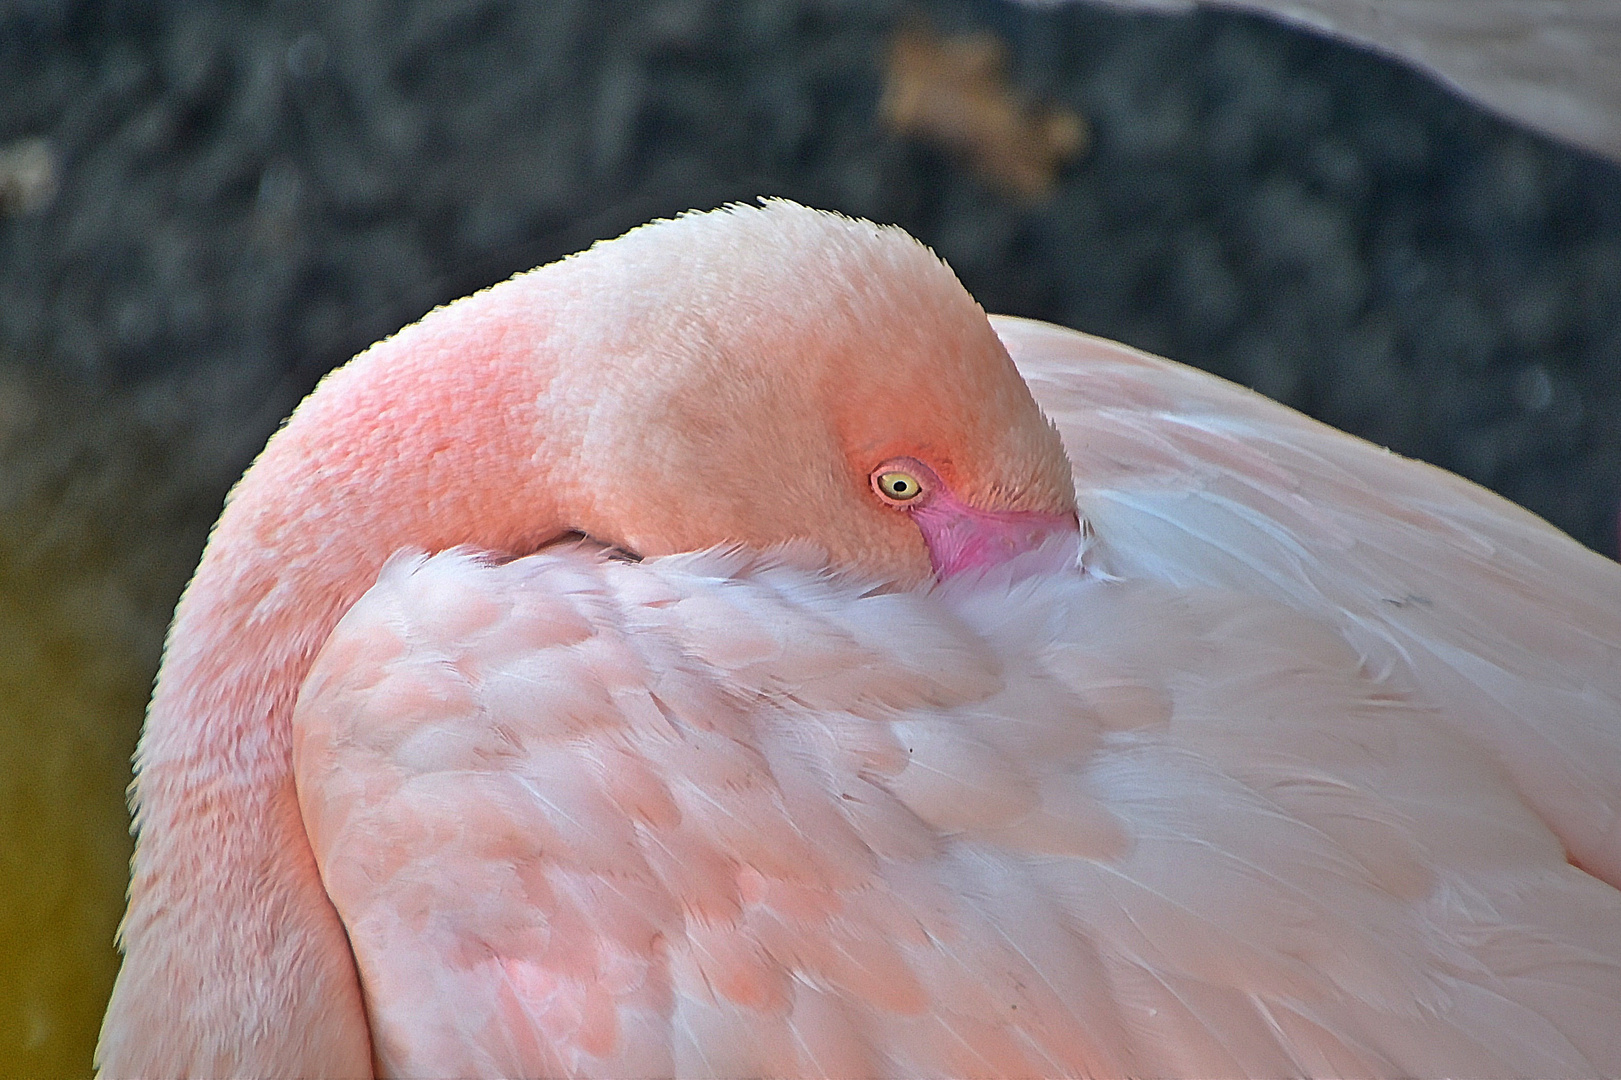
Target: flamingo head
[772,374]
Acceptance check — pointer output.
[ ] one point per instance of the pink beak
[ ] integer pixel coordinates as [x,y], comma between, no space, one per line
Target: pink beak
[962,538]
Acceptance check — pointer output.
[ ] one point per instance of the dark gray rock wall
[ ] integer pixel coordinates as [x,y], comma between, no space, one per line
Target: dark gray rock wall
[240,195]
[250,192]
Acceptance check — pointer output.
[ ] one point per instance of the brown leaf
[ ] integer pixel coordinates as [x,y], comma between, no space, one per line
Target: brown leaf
[954,92]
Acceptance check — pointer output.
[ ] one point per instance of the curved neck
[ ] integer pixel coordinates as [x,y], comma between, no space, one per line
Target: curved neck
[235,961]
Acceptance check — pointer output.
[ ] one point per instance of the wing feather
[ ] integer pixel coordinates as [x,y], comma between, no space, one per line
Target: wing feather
[1507,627]
[708,817]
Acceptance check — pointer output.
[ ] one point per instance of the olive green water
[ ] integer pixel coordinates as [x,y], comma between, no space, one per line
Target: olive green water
[70,705]
[96,536]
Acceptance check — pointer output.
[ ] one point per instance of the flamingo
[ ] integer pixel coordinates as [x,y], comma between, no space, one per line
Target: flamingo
[700,656]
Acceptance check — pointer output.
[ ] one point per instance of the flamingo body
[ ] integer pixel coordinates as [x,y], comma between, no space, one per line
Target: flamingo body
[1305,762]
[710,815]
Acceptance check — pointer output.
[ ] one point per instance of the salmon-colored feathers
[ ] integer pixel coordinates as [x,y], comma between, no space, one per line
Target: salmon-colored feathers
[1309,765]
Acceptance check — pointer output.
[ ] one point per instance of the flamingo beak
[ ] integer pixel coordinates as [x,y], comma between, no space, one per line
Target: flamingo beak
[962,538]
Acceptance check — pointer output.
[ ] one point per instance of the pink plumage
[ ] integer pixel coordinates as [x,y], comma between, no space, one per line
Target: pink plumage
[1306,762]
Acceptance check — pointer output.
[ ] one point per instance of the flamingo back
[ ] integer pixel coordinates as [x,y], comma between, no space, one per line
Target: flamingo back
[728,814]
[1505,626]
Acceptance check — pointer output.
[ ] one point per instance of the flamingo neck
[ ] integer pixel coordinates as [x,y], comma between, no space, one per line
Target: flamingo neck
[235,960]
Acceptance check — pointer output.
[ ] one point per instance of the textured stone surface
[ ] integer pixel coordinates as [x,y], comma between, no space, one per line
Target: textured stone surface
[259,190]
[1555,67]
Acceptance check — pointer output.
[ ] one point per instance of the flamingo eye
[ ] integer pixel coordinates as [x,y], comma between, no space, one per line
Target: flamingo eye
[897,485]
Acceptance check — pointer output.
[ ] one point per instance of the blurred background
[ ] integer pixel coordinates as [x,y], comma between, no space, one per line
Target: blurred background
[206,205]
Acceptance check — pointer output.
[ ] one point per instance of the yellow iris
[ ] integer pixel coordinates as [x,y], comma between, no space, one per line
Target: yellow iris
[900,486]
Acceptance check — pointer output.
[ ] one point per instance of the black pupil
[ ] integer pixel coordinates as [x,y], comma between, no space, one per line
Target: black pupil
[900,487]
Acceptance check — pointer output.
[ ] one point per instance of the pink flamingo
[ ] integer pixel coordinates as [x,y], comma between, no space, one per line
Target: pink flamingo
[818,751]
